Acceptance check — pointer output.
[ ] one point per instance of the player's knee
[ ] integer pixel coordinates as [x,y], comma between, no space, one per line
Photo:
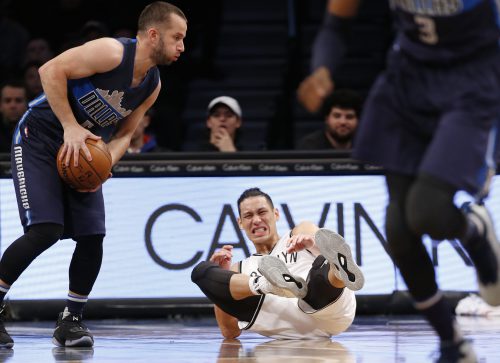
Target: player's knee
[45,233]
[201,270]
[430,210]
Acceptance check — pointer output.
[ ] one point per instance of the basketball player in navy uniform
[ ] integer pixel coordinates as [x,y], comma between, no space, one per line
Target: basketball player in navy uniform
[431,120]
[99,89]
[300,285]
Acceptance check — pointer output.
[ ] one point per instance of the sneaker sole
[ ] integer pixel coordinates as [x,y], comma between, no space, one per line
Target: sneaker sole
[491,292]
[334,248]
[7,345]
[273,269]
[84,342]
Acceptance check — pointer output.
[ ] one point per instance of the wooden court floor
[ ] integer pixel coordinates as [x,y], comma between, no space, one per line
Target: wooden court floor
[369,340]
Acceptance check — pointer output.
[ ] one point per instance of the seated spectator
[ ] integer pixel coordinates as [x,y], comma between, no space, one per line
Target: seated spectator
[223,122]
[13,104]
[342,110]
[38,50]
[32,80]
[142,141]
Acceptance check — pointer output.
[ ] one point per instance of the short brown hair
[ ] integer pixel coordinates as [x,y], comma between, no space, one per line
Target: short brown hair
[156,13]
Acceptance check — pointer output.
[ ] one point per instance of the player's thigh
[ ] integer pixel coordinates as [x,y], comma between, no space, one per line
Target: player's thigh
[84,213]
[461,150]
[39,189]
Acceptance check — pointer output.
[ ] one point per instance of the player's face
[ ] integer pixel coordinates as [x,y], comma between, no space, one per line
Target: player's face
[258,220]
[341,123]
[222,117]
[12,103]
[171,41]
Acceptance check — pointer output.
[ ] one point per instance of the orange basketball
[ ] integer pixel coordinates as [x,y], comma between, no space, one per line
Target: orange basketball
[88,174]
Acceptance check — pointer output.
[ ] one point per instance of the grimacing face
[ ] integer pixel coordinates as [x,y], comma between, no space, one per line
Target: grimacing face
[258,220]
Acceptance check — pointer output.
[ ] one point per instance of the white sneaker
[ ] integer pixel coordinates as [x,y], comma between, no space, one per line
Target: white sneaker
[338,253]
[484,252]
[277,279]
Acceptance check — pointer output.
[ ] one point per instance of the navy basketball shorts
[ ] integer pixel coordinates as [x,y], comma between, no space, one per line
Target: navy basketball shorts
[42,196]
[441,121]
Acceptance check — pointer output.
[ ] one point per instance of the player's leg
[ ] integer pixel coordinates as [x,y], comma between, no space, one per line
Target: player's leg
[84,222]
[227,289]
[40,202]
[83,271]
[416,268]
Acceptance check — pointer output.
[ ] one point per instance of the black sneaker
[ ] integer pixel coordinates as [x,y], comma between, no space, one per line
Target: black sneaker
[460,352]
[6,341]
[484,250]
[71,332]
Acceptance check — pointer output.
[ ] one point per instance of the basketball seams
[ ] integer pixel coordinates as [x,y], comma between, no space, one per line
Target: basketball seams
[91,167]
[75,179]
[104,151]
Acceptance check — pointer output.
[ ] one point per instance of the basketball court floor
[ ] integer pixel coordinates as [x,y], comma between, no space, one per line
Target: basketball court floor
[369,340]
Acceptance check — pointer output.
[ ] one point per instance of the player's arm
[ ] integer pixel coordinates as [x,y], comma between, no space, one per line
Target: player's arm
[121,139]
[327,52]
[302,238]
[228,324]
[97,56]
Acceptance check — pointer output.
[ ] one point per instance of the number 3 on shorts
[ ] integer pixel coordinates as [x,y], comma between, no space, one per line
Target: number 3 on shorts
[426,29]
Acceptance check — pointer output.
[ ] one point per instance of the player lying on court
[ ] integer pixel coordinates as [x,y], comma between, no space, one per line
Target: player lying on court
[296,286]
[100,88]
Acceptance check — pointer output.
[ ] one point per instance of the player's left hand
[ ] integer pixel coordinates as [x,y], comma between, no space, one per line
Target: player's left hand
[96,188]
[300,242]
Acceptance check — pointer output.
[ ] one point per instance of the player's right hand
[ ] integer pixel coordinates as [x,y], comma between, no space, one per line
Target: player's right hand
[74,141]
[314,89]
[223,257]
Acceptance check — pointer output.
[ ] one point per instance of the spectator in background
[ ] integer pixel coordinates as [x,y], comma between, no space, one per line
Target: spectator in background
[38,50]
[13,40]
[32,80]
[13,104]
[142,141]
[223,122]
[342,110]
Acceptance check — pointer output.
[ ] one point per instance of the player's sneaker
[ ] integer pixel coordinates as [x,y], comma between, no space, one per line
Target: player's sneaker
[278,280]
[484,250]
[460,352]
[338,253]
[6,341]
[71,332]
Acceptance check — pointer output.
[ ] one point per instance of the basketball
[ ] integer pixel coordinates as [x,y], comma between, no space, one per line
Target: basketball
[88,174]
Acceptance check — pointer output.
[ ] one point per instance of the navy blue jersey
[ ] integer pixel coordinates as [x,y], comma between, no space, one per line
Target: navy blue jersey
[442,31]
[100,101]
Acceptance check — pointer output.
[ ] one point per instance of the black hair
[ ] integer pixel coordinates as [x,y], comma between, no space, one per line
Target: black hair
[253,192]
[345,99]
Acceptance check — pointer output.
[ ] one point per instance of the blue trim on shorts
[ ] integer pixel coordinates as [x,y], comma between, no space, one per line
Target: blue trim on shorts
[27,215]
[16,137]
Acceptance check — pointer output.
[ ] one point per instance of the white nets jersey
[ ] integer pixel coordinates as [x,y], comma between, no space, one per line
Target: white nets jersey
[284,318]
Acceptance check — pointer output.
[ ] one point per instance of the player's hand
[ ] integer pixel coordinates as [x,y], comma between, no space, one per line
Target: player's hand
[223,257]
[96,188]
[74,141]
[314,89]
[300,242]
[221,139]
